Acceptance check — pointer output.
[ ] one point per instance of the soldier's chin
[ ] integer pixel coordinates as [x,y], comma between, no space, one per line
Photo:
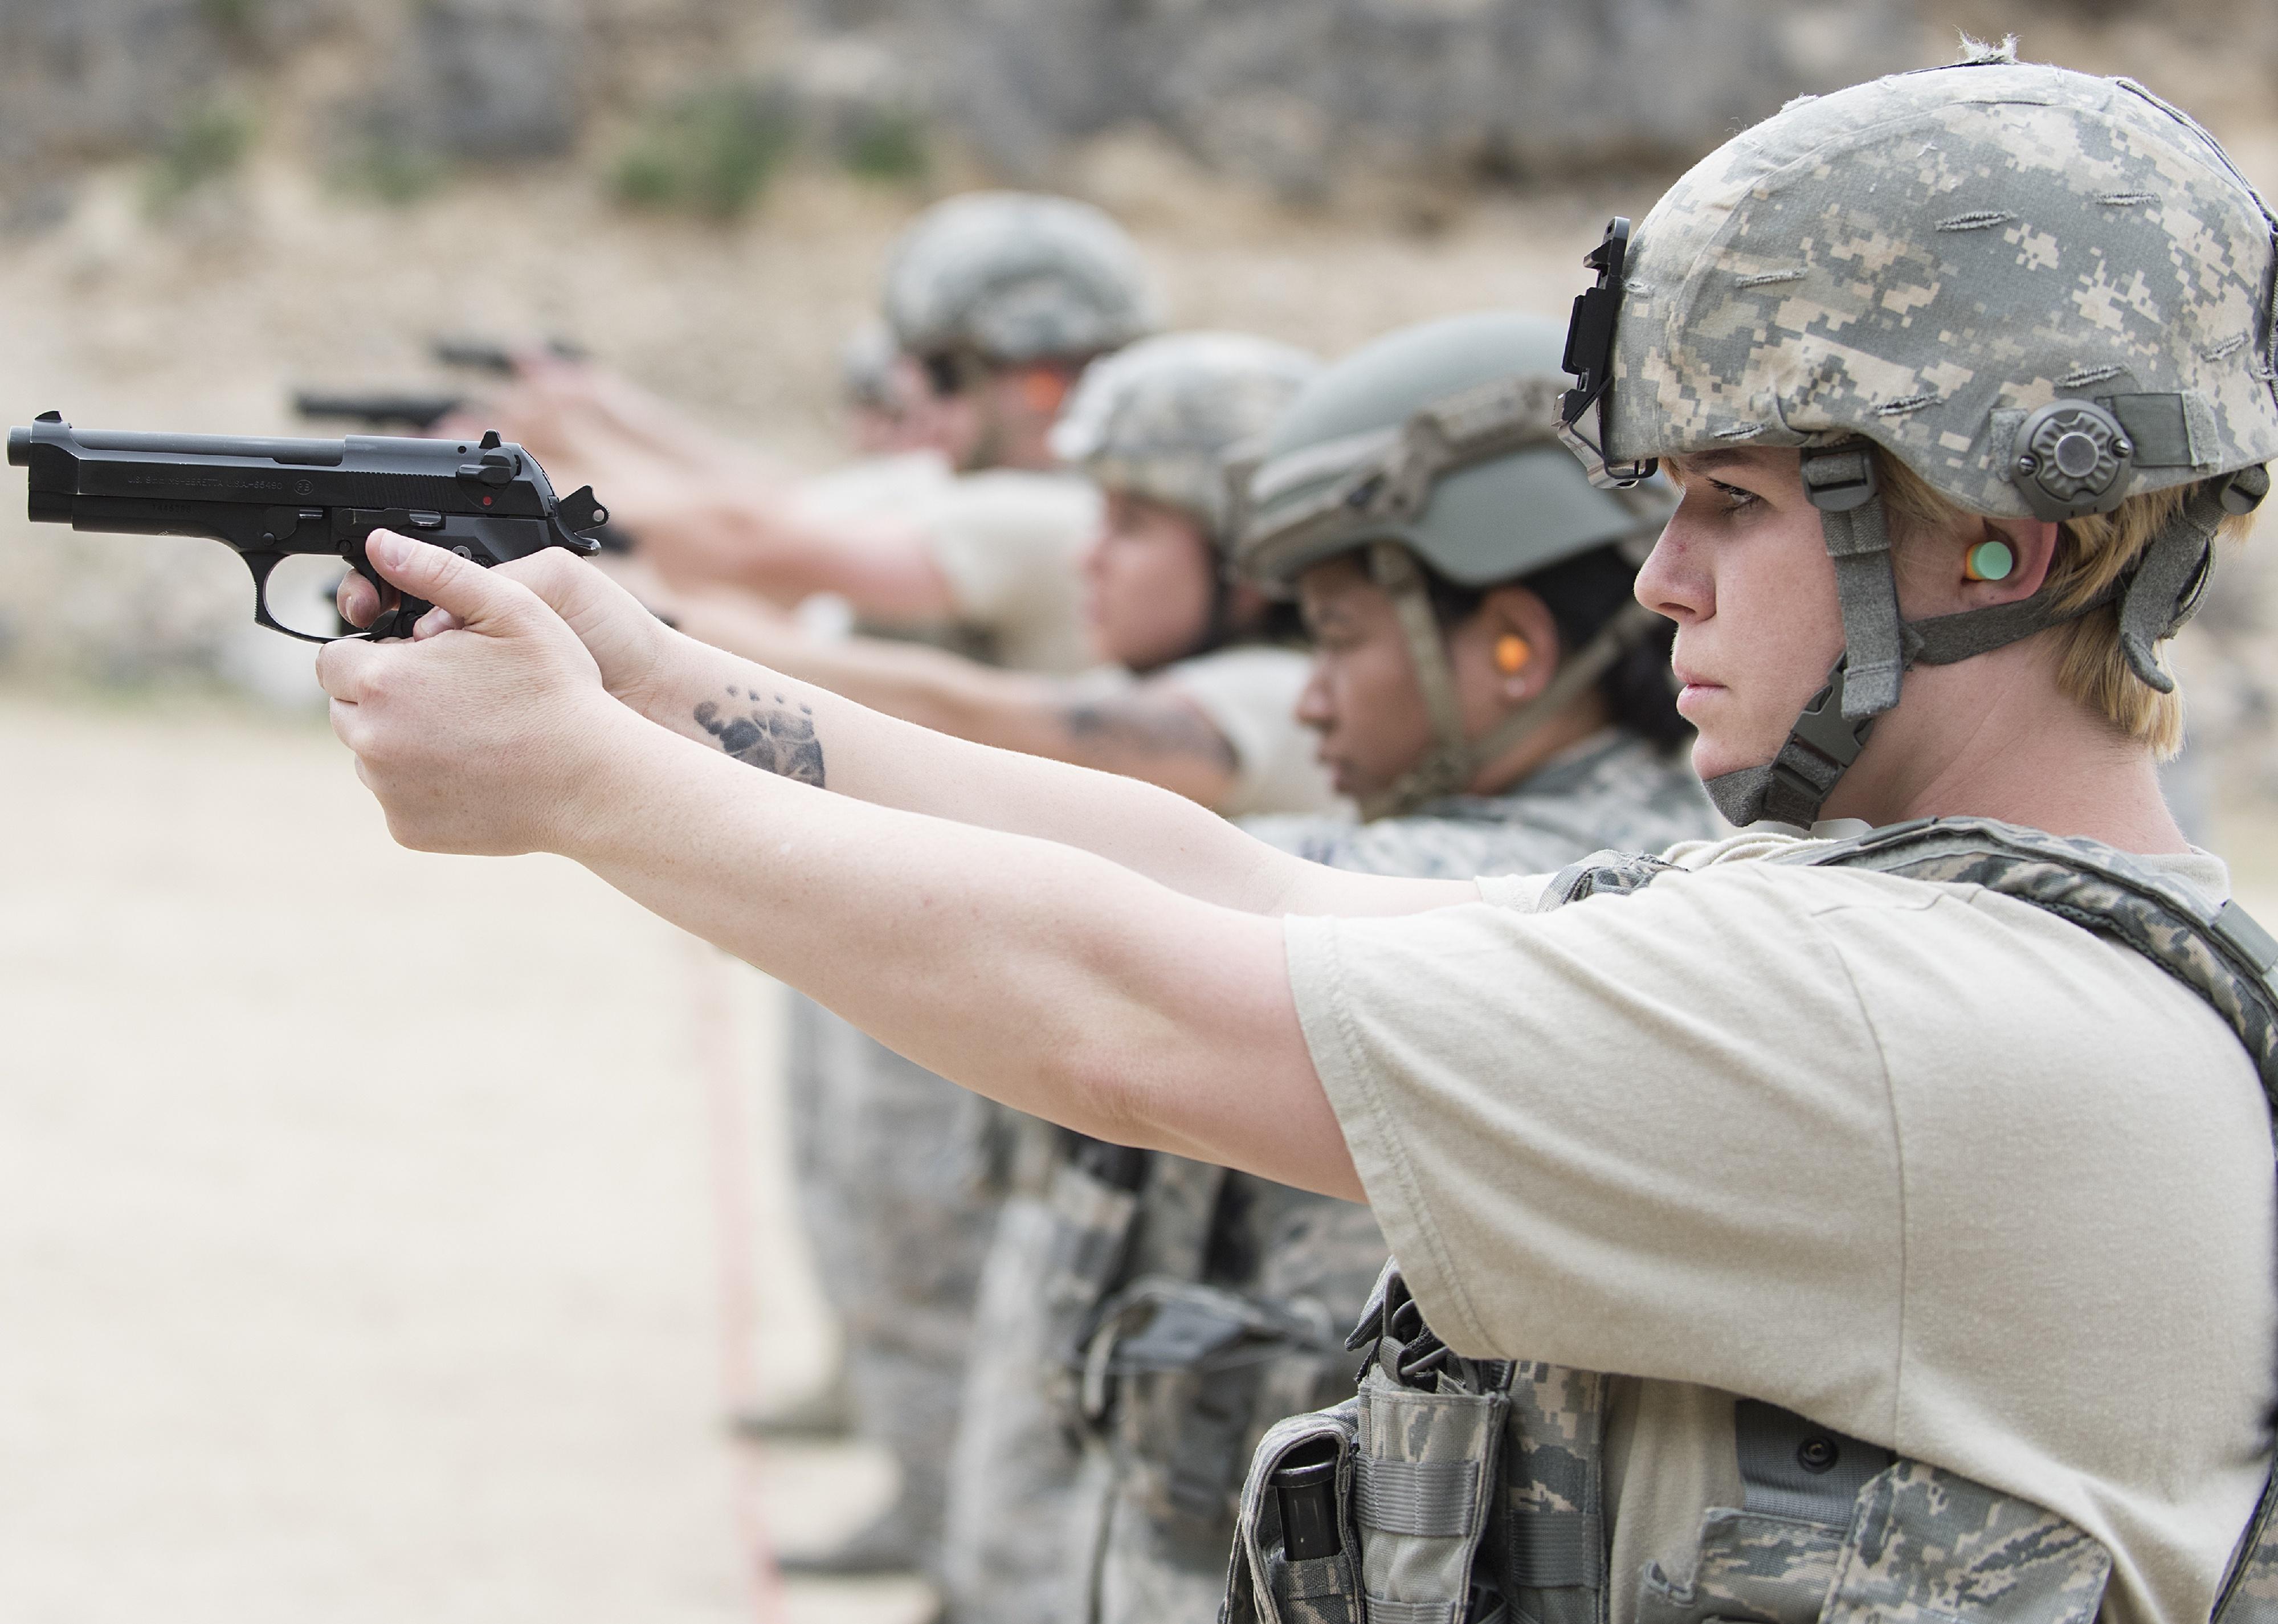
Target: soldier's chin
[1718,751]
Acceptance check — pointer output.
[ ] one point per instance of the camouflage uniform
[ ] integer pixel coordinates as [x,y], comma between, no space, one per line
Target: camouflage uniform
[1153,421]
[1159,1312]
[1833,1526]
[904,1171]
[1167,1442]
[899,1179]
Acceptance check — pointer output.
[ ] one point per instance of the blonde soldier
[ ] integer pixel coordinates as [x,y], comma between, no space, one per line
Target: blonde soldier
[1848,1226]
[1187,1309]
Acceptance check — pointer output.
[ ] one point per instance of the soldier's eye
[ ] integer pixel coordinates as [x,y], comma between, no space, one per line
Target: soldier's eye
[1734,497]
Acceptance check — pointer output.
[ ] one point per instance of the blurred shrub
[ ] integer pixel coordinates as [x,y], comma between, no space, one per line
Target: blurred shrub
[710,153]
[233,17]
[885,144]
[394,170]
[209,143]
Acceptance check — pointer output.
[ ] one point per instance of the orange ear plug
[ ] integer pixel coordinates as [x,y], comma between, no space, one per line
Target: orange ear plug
[1511,654]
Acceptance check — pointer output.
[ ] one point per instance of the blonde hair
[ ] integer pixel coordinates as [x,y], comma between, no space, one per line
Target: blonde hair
[2092,554]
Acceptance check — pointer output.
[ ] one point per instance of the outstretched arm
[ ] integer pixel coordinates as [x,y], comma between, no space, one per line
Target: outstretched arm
[1150,731]
[708,511]
[1042,975]
[766,718]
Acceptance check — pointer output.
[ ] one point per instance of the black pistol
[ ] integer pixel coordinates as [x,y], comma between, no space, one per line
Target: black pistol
[487,355]
[377,410]
[273,500]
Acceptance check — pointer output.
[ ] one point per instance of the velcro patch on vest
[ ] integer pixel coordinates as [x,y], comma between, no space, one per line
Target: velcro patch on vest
[1436,1498]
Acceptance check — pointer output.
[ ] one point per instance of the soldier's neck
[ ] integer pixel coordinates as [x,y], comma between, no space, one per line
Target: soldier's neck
[1994,737]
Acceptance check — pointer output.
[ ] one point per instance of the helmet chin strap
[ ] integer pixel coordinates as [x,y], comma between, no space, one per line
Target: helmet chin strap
[1452,761]
[2156,598]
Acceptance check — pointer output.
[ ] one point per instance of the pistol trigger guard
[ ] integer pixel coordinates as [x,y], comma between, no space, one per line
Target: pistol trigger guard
[262,564]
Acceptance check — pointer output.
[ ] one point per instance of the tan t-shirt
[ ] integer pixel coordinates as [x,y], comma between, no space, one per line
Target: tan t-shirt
[1250,696]
[1930,1166]
[1012,545]
[875,485]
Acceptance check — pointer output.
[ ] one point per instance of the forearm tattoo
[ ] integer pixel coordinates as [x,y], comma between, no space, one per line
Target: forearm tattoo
[1149,725]
[775,736]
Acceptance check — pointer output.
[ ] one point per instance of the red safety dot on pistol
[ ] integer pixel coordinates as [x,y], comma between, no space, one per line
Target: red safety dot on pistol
[486,502]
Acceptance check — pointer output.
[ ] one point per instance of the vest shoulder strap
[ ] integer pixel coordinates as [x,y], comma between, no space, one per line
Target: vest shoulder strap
[2218,951]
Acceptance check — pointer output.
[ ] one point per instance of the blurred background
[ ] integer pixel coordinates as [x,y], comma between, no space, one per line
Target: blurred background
[383,1236]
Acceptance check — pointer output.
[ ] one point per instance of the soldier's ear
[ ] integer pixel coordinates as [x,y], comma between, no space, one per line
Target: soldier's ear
[1514,637]
[1043,388]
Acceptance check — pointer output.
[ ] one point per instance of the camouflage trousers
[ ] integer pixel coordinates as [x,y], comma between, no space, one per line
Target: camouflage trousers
[1136,1575]
[895,1191]
[1013,1470]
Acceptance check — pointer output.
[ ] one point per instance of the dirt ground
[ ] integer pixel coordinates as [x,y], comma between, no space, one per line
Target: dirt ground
[361,1223]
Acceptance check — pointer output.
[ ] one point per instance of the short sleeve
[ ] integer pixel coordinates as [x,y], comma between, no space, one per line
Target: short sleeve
[1250,697]
[1011,546]
[1626,1135]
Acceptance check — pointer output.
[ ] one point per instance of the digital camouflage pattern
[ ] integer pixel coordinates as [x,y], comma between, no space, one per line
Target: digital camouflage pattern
[1912,1544]
[884,1156]
[1925,1546]
[1262,1586]
[2253,1597]
[1157,419]
[1614,790]
[1926,259]
[1016,276]
[1553,1494]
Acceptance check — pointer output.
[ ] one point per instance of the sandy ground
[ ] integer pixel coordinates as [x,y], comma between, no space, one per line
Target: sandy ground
[361,1235]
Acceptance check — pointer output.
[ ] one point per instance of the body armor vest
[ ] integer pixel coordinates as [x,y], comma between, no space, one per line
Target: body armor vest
[1459,1491]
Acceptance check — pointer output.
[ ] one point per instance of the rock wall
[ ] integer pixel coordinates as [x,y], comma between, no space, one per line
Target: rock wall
[1297,93]
[1293,93]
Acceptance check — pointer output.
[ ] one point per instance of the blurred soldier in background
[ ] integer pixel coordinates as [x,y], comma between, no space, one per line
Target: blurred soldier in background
[1204,705]
[999,299]
[1201,684]
[1485,685]
[887,397]
[962,526]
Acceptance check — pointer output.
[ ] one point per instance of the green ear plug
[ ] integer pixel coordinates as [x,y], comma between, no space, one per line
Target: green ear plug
[1989,561]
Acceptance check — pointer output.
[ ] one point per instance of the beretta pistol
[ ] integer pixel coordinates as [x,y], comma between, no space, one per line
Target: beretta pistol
[280,499]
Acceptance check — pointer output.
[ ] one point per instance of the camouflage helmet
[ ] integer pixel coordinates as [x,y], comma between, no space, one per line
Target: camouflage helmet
[2041,291]
[1159,420]
[1016,276]
[1437,444]
[867,358]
